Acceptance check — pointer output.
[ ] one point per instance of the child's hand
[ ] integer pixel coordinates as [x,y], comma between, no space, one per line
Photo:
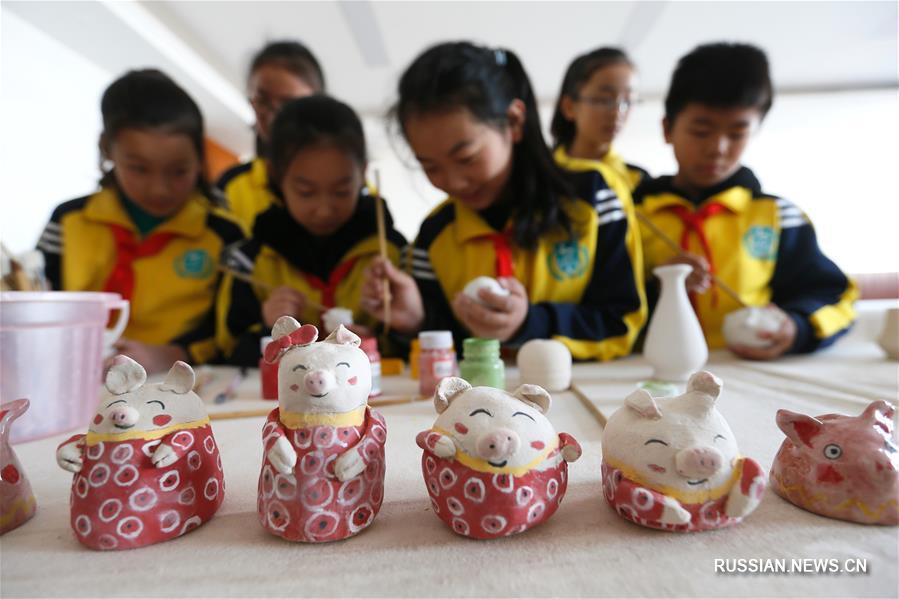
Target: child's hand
[283,301]
[700,279]
[406,308]
[154,358]
[500,318]
[781,341]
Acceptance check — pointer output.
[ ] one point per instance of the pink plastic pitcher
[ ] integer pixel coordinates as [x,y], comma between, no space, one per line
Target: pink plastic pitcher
[51,351]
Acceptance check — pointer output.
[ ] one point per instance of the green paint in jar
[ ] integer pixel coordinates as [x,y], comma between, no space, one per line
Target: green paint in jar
[481,365]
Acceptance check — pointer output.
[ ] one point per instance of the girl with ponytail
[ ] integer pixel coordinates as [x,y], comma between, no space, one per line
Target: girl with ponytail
[469,115]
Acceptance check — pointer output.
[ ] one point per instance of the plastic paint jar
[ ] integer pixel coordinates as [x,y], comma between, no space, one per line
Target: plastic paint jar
[481,365]
[437,360]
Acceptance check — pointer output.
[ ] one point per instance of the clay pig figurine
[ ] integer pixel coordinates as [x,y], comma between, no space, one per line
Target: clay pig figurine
[844,467]
[323,467]
[17,504]
[492,462]
[148,469]
[672,463]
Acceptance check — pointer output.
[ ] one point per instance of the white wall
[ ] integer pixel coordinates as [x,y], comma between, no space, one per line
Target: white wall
[49,125]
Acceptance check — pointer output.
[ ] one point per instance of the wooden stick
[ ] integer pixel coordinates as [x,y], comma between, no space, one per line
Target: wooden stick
[382,244]
[680,252]
[591,407]
[375,403]
[248,279]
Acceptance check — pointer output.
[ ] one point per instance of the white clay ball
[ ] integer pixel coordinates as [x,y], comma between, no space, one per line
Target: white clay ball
[545,362]
[335,317]
[743,326]
[488,283]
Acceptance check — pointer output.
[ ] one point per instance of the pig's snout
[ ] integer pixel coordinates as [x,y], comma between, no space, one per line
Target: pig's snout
[319,382]
[498,445]
[123,416]
[697,463]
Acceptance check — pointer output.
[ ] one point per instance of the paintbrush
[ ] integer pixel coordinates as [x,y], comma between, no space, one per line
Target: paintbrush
[267,287]
[680,252]
[382,244]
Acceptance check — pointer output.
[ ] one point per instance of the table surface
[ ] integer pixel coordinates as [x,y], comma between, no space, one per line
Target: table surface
[584,549]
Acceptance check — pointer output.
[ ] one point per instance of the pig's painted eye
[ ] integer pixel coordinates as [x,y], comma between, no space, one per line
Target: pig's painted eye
[523,414]
[298,367]
[343,364]
[656,441]
[481,411]
[833,451]
[719,437]
[161,405]
[115,402]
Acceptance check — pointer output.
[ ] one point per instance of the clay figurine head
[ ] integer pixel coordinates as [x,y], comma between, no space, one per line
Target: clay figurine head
[742,327]
[493,463]
[673,463]
[844,467]
[330,376]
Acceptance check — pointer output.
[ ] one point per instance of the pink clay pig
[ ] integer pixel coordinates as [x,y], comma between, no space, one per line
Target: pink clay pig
[844,467]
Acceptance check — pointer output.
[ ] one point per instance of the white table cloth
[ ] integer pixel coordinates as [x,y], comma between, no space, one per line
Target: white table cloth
[585,549]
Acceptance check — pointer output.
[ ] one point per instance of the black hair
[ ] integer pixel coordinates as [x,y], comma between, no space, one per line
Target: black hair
[721,75]
[149,99]
[296,58]
[579,72]
[486,81]
[312,121]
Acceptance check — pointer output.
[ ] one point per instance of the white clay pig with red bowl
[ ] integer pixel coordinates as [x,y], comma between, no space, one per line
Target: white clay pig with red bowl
[322,475]
[493,464]
[148,469]
[844,467]
[672,463]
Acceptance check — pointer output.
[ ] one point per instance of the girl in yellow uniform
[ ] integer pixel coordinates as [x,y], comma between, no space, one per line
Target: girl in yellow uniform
[280,72]
[311,251]
[597,95]
[151,232]
[469,115]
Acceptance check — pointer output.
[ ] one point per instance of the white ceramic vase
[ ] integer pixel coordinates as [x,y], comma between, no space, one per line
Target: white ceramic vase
[675,346]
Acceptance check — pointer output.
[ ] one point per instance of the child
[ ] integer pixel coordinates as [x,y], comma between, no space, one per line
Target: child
[760,245]
[150,233]
[280,72]
[595,100]
[314,248]
[470,117]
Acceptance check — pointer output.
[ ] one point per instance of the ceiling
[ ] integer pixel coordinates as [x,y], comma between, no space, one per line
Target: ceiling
[364,46]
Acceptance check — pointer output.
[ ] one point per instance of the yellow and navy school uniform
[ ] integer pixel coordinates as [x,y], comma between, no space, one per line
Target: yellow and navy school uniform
[631,173]
[584,289]
[762,246]
[328,271]
[622,178]
[248,191]
[169,274]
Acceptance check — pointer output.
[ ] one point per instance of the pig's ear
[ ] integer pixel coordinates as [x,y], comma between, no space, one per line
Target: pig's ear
[705,382]
[180,379]
[448,389]
[125,375]
[800,429]
[535,395]
[880,413]
[284,326]
[643,404]
[343,336]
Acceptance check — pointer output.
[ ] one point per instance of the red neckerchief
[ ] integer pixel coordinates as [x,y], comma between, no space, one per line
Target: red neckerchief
[128,249]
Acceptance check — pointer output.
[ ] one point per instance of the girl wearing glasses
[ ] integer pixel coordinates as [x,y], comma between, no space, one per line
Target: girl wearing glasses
[280,72]
[596,97]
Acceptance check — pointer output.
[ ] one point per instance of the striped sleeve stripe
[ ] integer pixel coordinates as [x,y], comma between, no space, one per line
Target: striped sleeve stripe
[608,206]
[605,194]
[427,275]
[421,264]
[791,223]
[49,247]
[610,217]
[419,252]
[52,226]
[51,237]
[239,260]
